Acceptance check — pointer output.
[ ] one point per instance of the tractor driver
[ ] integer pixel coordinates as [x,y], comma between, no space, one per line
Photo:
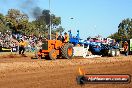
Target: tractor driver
[66,37]
[61,38]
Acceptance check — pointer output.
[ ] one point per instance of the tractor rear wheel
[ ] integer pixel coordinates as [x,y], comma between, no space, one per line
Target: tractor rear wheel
[52,54]
[67,51]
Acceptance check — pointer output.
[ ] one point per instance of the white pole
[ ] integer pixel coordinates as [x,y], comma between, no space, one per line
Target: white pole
[49,34]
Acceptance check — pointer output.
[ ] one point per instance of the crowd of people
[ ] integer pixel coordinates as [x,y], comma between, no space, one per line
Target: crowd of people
[9,40]
[6,40]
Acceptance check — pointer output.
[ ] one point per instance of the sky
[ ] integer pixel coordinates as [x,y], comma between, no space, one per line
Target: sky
[90,17]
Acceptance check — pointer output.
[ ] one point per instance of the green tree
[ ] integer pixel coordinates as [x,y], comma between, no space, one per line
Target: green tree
[17,21]
[114,36]
[55,21]
[42,22]
[60,29]
[3,26]
[125,29]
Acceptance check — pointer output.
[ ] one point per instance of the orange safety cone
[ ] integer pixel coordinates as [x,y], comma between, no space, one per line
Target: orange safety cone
[81,72]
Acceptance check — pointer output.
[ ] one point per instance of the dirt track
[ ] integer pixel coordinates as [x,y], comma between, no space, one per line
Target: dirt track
[27,73]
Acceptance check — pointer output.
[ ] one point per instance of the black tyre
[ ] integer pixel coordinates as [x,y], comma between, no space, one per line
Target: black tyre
[67,51]
[52,54]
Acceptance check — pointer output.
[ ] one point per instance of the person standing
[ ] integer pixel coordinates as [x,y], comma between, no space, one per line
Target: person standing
[22,46]
[38,46]
[125,46]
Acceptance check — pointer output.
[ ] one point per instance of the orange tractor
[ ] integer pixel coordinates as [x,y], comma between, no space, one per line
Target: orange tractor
[54,48]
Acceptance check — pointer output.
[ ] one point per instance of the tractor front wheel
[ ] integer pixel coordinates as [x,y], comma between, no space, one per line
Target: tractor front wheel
[52,54]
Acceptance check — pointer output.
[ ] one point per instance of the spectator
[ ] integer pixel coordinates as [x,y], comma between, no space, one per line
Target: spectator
[9,40]
[125,46]
[37,47]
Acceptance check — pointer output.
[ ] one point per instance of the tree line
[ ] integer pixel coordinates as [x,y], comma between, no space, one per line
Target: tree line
[124,30]
[18,22]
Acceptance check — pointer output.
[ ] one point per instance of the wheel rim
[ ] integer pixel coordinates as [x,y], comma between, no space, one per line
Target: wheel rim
[54,55]
[70,50]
